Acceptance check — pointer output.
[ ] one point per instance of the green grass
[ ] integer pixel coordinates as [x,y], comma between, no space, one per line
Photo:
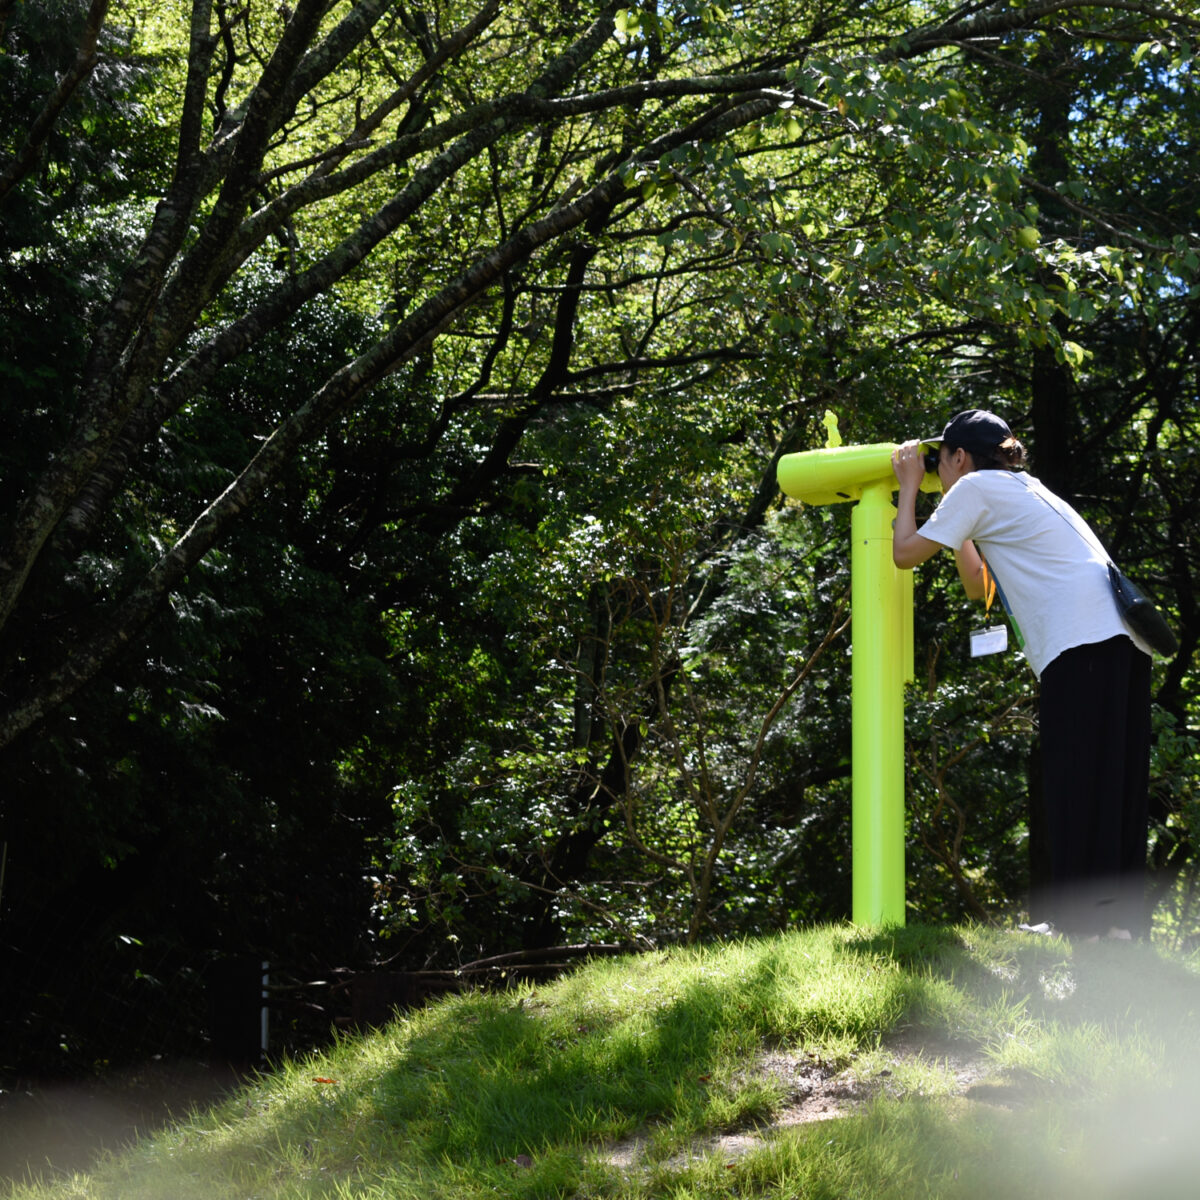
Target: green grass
[1086,1060]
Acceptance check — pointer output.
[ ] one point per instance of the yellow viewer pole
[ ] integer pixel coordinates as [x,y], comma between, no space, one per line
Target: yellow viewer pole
[881,608]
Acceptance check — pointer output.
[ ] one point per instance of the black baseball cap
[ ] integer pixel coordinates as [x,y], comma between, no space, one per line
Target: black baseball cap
[975,430]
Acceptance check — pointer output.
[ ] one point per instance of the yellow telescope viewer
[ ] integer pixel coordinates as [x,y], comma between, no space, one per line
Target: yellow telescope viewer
[882,655]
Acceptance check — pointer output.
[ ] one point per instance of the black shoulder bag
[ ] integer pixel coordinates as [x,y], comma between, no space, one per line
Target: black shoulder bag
[1140,613]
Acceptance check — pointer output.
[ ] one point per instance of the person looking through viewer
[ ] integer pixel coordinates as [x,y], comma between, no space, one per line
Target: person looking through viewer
[1051,573]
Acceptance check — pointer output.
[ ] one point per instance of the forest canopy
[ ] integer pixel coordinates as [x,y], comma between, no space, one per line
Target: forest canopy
[389,534]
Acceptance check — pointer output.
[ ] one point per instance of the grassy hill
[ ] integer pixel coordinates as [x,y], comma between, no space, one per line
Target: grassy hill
[832,1062]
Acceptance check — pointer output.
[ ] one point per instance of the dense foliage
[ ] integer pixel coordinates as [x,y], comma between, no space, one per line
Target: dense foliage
[391,562]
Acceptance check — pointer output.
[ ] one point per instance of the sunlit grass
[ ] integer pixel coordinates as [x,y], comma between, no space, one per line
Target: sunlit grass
[1086,1058]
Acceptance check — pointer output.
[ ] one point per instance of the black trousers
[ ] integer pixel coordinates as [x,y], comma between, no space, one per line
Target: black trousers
[1092,813]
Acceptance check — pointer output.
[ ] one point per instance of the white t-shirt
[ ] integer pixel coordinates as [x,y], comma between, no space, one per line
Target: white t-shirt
[1045,559]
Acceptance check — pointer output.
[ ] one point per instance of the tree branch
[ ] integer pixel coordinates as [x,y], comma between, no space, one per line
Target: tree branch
[44,122]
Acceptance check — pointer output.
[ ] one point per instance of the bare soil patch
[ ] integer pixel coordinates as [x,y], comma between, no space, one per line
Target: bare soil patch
[818,1091]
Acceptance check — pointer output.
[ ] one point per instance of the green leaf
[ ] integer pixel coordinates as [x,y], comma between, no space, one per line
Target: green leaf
[627,22]
[1072,353]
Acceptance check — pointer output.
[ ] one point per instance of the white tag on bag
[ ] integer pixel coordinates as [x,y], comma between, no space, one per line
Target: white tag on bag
[992,640]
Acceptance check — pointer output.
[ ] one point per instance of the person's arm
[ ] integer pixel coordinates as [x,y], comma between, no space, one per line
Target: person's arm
[908,547]
[970,570]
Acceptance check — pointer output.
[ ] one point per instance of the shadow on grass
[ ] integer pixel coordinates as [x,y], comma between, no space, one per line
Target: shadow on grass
[1114,984]
[493,1079]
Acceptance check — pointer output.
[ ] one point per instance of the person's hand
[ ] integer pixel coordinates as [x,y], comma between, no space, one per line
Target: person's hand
[908,463]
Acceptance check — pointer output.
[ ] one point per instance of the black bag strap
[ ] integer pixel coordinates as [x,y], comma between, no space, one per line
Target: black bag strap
[1044,497]
[1137,609]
